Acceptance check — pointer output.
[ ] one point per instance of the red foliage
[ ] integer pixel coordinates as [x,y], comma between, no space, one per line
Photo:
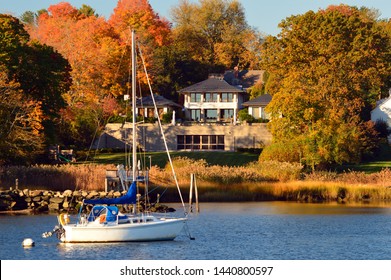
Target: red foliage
[342,8]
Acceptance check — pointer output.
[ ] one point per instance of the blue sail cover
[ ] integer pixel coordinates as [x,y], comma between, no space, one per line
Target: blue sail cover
[128,198]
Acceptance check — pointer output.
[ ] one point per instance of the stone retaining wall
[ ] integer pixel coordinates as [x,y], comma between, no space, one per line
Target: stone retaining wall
[43,201]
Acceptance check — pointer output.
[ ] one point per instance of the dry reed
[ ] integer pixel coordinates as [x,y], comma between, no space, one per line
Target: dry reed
[256,181]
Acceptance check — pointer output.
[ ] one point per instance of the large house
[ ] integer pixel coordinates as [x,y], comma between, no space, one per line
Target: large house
[210,107]
[212,100]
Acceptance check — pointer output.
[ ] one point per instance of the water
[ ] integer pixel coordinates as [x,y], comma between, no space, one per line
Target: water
[225,231]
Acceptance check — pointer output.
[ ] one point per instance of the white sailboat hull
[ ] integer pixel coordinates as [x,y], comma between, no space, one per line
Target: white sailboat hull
[157,230]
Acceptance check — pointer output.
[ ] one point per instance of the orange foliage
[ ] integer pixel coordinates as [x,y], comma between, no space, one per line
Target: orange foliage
[63,10]
[139,15]
[98,51]
[80,39]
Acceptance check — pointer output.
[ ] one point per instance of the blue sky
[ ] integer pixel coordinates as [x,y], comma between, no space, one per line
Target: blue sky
[264,15]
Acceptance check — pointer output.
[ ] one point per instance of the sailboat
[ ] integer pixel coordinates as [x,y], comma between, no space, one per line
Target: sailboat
[105,223]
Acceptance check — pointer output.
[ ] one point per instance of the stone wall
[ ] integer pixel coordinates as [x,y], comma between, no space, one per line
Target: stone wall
[235,136]
[43,201]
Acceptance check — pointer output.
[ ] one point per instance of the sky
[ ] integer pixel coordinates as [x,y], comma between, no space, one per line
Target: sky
[260,14]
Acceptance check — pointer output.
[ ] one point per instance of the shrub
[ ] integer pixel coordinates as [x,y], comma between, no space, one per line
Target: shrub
[281,151]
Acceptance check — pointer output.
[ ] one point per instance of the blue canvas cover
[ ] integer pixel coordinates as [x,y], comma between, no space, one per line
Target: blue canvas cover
[111,213]
[128,198]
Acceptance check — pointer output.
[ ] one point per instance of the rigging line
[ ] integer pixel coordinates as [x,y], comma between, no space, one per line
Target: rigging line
[89,150]
[143,160]
[122,57]
[92,142]
[162,132]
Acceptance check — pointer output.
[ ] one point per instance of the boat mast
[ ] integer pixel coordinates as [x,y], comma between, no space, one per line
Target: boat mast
[134,147]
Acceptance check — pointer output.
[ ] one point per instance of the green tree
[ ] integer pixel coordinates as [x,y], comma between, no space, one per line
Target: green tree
[326,71]
[41,75]
[13,41]
[29,18]
[87,11]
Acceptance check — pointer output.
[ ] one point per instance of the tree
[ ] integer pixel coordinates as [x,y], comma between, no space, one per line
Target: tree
[21,138]
[215,32]
[13,41]
[87,11]
[41,74]
[327,69]
[153,33]
[92,48]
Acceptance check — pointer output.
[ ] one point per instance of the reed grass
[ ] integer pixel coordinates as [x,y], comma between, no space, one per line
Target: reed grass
[55,177]
[255,181]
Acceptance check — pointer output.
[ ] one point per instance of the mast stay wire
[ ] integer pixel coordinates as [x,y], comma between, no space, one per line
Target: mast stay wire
[162,132]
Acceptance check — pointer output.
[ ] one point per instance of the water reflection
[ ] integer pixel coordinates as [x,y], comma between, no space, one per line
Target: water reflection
[257,230]
[294,208]
[298,208]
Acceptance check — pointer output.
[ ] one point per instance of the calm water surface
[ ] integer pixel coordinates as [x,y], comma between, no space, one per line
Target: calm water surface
[265,230]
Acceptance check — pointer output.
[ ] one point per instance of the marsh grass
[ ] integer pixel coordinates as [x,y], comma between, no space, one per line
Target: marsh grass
[55,177]
[252,182]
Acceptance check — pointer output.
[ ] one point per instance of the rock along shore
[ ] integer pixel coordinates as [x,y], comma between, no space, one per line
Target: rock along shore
[38,201]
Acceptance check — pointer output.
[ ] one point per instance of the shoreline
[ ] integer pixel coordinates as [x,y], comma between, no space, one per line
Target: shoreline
[15,201]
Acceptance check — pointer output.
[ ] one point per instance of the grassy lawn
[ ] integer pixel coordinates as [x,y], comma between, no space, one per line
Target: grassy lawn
[160,158]
[382,160]
[233,159]
[368,167]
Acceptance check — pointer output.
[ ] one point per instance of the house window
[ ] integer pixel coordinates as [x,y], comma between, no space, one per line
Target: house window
[255,112]
[200,142]
[196,142]
[220,142]
[227,97]
[211,97]
[213,142]
[188,142]
[151,113]
[195,115]
[141,112]
[226,114]
[180,142]
[211,115]
[205,142]
[263,114]
[195,97]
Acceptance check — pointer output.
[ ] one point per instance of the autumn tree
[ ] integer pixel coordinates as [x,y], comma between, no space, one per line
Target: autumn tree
[216,33]
[33,78]
[91,46]
[327,69]
[21,137]
[153,33]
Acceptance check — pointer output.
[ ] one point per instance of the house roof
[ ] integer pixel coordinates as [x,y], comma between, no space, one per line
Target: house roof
[212,85]
[262,100]
[160,102]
